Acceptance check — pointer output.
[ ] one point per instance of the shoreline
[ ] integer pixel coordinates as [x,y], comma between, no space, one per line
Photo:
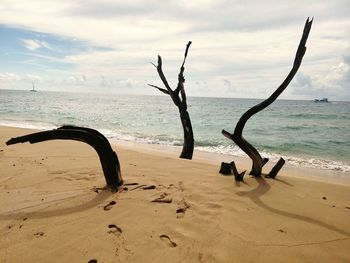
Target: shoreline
[243,163]
[306,162]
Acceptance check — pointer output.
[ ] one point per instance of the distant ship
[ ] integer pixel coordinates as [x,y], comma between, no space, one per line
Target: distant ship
[33,89]
[321,100]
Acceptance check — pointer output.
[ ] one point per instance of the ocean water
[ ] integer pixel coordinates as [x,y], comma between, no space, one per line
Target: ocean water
[303,132]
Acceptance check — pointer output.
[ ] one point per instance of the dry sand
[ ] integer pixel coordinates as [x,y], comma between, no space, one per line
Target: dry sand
[52,211]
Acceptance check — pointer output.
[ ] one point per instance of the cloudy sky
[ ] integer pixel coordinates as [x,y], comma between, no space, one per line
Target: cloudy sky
[240,48]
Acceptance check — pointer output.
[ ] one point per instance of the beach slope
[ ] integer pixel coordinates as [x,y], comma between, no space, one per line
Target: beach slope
[54,210]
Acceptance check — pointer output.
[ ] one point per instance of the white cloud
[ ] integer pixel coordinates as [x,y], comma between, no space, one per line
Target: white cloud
[31,44]
[128,83]
[333,84]
[75,80]
[34,44]
[12,77]
[9,77]
[302,84]
[251,44]
[18,81]
[31,77]
[338,73]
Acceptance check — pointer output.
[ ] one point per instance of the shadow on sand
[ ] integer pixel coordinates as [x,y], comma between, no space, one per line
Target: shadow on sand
[97,200]
[263,187]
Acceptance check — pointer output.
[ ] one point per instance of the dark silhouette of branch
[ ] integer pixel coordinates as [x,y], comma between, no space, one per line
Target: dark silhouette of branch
[229,168]
[179,98]
[162,90]
[258,161]
[108,158]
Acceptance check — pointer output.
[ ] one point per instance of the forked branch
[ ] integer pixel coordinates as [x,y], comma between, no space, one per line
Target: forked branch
[179,98]
[258,161]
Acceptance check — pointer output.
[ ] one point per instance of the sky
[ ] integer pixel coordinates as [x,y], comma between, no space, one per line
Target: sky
[241,49]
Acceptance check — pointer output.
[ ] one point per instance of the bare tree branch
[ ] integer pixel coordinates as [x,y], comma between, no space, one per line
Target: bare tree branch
[162,76]
[161,89]
[181,103]
[108,158]
[181,79]
[258,161]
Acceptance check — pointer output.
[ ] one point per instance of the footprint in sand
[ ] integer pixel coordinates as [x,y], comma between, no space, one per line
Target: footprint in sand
[128,184]
[92,261]
[109,205]
[166,239]
[144,187]
[149,187]
[39,234]
[163,198]
[182,207]
[282,231]
[10,226]
[114,229]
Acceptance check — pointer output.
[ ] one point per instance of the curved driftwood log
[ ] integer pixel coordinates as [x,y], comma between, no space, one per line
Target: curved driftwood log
[108,158]
[179,98]
[258,161]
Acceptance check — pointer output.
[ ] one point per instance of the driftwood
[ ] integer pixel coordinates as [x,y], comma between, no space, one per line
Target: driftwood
[226,168]
[108,158]
[179,98]
[229,168]
[274,171]
[258,161]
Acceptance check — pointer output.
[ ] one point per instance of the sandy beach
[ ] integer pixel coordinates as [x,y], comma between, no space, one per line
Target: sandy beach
[53,209]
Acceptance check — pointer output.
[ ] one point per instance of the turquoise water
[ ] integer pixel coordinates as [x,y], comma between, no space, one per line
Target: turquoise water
[303,132]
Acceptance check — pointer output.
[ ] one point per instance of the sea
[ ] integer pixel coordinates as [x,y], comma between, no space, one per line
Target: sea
[304,133]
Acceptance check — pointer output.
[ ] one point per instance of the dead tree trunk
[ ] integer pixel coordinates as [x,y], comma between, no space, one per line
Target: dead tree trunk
[179,98]
[274,171]
[229,168]
[108,158]
[258,161]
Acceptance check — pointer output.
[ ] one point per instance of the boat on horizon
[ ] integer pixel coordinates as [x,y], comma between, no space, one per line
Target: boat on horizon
[33,88]
[321,100]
